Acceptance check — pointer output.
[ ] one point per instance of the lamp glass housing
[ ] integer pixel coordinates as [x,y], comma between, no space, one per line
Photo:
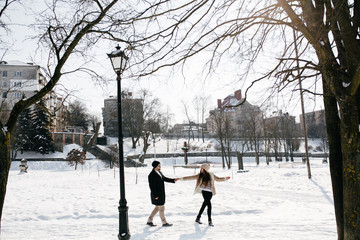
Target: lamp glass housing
[118,60]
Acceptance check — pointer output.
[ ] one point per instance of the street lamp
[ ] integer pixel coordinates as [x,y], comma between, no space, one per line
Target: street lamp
[118,61]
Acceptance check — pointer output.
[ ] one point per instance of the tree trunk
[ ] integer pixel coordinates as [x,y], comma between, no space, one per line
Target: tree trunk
[267,151]
[276,153]
[133,142]
[222,147]
[229,159]
[335,157]
[257,159]
[5,162]
[286,151]
[142,158]
[145,148]
[87,145]
[223,158]
[202,135]
[228,153]
[291,148]
[349,126]
[240,161]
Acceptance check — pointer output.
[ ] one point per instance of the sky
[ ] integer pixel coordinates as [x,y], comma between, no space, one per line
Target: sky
[276,202]
[173,87]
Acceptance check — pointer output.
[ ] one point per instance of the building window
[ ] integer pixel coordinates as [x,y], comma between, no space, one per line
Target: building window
[4,74]
[4,95]
[4,84]
[17,74]
[18,95]
[17,84]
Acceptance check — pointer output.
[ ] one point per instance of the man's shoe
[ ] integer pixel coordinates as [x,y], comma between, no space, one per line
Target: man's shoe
[198,221]
[150,224]
[211,224]
[167,225]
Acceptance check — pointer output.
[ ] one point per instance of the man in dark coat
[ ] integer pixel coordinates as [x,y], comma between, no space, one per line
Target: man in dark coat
[157,188]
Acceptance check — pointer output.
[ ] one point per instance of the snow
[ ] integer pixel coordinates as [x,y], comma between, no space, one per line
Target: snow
[345,84]
[55,155]
[16,62]
[53,201]
[196,145]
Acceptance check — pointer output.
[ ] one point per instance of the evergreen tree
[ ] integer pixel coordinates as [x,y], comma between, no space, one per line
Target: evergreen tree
[42,141]
[22,137]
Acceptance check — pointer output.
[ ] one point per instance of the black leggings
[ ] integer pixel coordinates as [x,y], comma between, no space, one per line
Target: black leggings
[207,197]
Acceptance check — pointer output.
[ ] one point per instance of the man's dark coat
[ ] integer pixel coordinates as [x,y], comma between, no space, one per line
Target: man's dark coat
[157,187]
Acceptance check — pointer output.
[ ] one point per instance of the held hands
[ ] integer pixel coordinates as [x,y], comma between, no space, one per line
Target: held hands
[177,179]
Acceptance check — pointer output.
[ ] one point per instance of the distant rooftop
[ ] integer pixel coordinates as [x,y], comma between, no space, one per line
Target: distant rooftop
[15,63]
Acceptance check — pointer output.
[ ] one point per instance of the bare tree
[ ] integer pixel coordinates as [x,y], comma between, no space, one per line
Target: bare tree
[189,120]
[153,115]
[266,141]
[327,28]
[4,29]
[88,143]
[167,120]
[166,127]
[197,107]
[75,157]
[146,144]
[253,130]
[4,5]
[204,101]
[224,134]
[77,115]
[290,136]
[201,107]
[153,119]
[94,121]
[63,34]
[132,117]
[242,145]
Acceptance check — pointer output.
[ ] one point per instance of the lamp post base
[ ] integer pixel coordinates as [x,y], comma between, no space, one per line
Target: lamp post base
[124,236]
[124,233]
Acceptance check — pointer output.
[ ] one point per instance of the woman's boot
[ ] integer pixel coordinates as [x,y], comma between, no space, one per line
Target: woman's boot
[210,223]
[198,220]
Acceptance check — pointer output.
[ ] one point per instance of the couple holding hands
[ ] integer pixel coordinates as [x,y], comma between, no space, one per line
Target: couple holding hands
[204,185]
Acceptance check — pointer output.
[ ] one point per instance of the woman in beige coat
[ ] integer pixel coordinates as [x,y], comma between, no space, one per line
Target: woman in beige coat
[205,185]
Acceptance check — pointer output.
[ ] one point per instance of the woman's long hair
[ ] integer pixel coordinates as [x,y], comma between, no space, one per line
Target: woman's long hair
[204,178]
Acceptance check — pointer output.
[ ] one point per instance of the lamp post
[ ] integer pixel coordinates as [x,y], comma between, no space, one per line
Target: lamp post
[118,61]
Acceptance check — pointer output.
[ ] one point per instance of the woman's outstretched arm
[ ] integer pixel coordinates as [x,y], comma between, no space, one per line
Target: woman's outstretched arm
[193,177]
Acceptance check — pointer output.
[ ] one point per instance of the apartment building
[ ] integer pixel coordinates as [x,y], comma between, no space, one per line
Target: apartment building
[20,80]
[132,115]
[315,122]
[239,116]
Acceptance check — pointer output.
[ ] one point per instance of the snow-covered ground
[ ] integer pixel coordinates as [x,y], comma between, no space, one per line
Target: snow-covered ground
[55,155]
[53,201]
